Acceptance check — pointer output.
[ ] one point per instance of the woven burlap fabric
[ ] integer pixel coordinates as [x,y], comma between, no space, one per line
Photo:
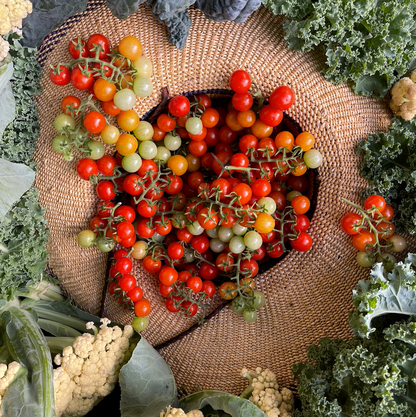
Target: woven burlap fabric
[308,294]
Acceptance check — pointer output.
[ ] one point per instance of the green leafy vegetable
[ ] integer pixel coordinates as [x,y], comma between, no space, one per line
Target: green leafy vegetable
[23,233]
[123,8]
[218,403]
[47,15]
[385,293]
[389,165]
[147,383]
[372,375]
[223,10]
[368,43]
[15,180]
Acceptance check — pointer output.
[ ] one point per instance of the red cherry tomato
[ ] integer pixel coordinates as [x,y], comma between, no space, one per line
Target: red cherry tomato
[189,308]
[123,265]
[208,288]
[208,271]
[81,79]
[135,294]
[242,101]
[151,265]
[73,48]
[271,116]
[348,222]
[127,282]
[302,243]
[142,308]
[282,98]
[179,106]
[106,165]
[61,76]
[100,40]
[168,275]
[175,250]
[194,283]
[105,190]
[375,201]
[126,213]
[86,167]
[363,241]
[240,81]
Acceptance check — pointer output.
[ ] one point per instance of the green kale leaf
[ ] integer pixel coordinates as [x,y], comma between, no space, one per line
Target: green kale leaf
[122,9]
[223,10]
[361,378]
[389,165]
[367,43]
[7,102]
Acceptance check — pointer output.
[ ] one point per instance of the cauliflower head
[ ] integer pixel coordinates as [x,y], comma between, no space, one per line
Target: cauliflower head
[265,393]
[403,97]
[178,412]
[7,373]
[90,368]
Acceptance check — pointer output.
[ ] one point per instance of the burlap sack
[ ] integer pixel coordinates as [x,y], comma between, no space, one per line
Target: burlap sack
[308,294]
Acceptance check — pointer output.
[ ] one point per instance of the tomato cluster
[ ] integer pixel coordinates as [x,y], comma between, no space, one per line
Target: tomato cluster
[372,232]
[113,78]
[216,190]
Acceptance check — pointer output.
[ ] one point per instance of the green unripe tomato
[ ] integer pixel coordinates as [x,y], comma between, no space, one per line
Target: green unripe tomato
[59,143]
[195,228]
[140,323]
[364,259]
[105,245]
[253,240]
[148,149]
[388,261]
[125,99]
[143,66]
[86,238]
[131,163]
[291,195]
[259,300]
[173,143]
[163,155]
[194,125]
[97,149]
[268,203]
[313,158]
[142,87]
[238,305]
[62,122]
[250,316]
[237,244]
[144,131]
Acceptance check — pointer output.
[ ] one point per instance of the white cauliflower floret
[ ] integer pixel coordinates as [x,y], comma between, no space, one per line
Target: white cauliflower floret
[93,365]
[178,412]
[11,14]
[63,388]
[403,97]
[7,373]
[265,393]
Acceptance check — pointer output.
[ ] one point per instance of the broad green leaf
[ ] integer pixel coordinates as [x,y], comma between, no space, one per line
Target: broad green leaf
[15,180]
[123,8]
[48,15]
[147,383]
[7,102]
[223,403]
[57,329]
[29,346]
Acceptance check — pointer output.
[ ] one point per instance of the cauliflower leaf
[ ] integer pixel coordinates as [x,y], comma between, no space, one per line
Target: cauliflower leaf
[147,383]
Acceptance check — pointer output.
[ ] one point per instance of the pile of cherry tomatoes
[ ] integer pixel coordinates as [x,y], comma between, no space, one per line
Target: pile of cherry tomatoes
[202,196]
[373,232]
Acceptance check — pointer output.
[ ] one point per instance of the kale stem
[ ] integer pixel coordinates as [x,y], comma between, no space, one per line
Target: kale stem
[3,248]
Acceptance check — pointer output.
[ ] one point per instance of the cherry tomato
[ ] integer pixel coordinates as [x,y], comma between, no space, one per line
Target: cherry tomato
[162,228]
[386,229]
[142,308]
[135,294]
[86,167]
[126,212]
[97,223]
[282,98]
[261,130]
[243,192]
[150,265]
[210,117]
[246,118]
[61,76]
[127,282]
[166,123]
[248,142]
[242,101]
[363,241]
[175,185]
[208,271]
[70,101]
[123,265]
[146,209]
[121,253]
[81,81]
[95,40]
[302,223]
[200,136]
[300,204]
[184,235]
[259,254]
[387,213]
[106,165]
[175,250]
[228,291]
[104,208]
[189,308]
[274,249]
[223,157]
[261,188]
[300,184]
[285,140]
[197,148]
[73,48]
[271,116]
[232,122]
[203,100]
[224,262]
[125,230]
[279,199]
[105,190]
[170,304]
[249,268]
[200,243]
[126,144]
[130,47]
[158,133]
[110,108]
[144,230]
[305,140]
[179,106]
[194,283]
[264,223]
[208,219]
[239,160]
[348,222]
[148,169]
[104,90]
[240,81]
[168,275]
[133,184]
[184,276]
[375,201]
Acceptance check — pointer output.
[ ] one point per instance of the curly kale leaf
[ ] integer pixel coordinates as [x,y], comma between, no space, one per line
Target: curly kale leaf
[360,378]
[384,293]
[389,165]
[223,10]
[23,233]
[294,9]
[367,43]
[19,138]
